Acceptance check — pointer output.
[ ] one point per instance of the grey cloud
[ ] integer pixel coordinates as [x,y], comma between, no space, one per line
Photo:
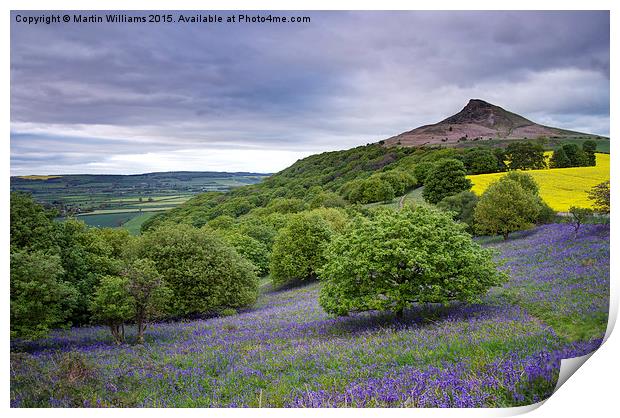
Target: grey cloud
[345,79]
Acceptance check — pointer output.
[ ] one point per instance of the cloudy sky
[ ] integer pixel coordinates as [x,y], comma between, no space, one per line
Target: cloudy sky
[133,98]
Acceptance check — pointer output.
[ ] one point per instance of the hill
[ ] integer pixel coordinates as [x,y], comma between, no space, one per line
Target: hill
[481,121]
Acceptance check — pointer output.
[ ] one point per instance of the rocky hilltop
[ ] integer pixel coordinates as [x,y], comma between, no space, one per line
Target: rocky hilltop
[479,121]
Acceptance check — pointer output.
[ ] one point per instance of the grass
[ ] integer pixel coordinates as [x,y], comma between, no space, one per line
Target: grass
[133,225]
[108,220]
[414,196]
[561,188]
[126,210]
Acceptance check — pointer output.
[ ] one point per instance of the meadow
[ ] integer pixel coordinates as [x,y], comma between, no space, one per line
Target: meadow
[285,351]
[561,188]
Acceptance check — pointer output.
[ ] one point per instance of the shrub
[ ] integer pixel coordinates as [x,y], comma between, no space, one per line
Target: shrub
[546,214]
[447,178]
[401,257]
[373,189]
[376,189]
[298,249]
[228,312]
[204,273]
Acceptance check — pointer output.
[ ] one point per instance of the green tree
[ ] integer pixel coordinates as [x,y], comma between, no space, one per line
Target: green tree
[298,249]
[112,306]
[462,205]
[87,254]
[327,199]
[397,258]
[32,225]
[501,157]
[147,292]
[559,159]
[525,156]
[40,300]
[262,228]
[577,156]
[204,273]
[447,178]
[525,180]
[505,207]
[589,148]
[250,248]
[376,189]
[421,171]
[399,180]
[599,195]
[480,161]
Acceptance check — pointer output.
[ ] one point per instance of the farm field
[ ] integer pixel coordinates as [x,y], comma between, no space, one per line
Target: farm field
[113,200]
[286,351]
[561,188]
[133,224]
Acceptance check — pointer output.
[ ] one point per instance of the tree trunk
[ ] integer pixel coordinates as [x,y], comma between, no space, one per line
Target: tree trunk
[506,235]
[141,327]
[399,312]
[118,332]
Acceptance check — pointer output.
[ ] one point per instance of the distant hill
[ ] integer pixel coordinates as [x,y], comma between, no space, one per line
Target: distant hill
[480,121]
[87,193]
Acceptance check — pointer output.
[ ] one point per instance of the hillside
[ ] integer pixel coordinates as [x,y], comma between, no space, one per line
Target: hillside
[481,121]
[286,351]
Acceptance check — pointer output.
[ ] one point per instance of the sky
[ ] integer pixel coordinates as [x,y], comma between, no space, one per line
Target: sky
[142,97]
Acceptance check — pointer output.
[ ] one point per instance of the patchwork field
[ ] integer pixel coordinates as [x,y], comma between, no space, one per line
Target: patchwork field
[561,188]
[287,352]
[114,200]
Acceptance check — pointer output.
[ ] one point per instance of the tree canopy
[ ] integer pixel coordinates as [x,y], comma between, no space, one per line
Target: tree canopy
[204,273]
[298,249]
[445,179]
[525,156]
[396,258]
[506,207]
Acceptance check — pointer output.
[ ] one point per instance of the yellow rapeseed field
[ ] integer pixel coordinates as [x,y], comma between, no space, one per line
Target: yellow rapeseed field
[561,188]
[34,177]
